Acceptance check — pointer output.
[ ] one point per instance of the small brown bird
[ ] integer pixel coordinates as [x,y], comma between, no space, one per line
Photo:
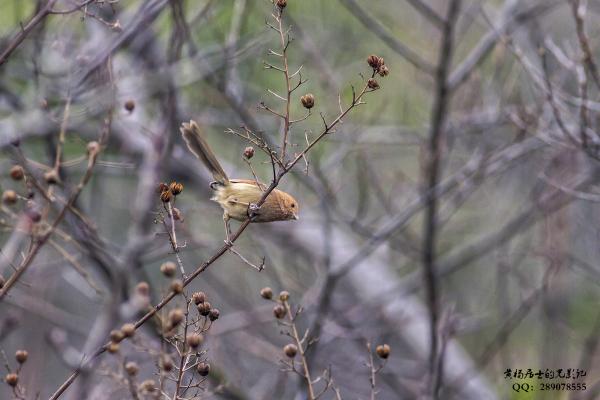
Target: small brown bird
[236,195]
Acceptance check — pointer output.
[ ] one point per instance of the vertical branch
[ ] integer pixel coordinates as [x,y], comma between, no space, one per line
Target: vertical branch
[440,108]
[301,349]
[284,45]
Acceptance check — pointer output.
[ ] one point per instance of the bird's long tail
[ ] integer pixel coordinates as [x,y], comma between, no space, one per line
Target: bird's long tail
[195,141]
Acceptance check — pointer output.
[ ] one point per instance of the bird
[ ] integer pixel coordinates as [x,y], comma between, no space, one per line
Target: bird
[236,196]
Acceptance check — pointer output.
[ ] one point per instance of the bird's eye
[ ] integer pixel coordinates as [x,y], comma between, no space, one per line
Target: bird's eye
[293,205]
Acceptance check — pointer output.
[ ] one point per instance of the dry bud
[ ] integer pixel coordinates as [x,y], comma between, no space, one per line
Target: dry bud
[249,152]
[284,295]
[113,347]
[290,350]
[9,197]
[143,289]
[176,316]
[11,379]
[199,297]
[116,336]
[373,84]
[148,386]
[176,188]
[128,330]
[203,368]
[168,269]
[279,311]
[383,70]
[17,173]
[266,293]
[204,309]
[177,286]
[281,3]
[308,101]
[132,368]
[194,340]
[165,196]
[373,61]
[21,356]
[162,187]
[129,105]
[214,314]
[166,363]
[383,351]
[51,177]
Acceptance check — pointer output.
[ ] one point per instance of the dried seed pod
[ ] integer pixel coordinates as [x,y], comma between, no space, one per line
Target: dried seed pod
[203,368]
[166,196]
[128,330]
[266,293]
[204,309]
[308,101]
[284,295]
[176,188]
[148,386]
[132,368]
[214,314]
[113,348]
[176,316]
[21,356]
[116,336]
[383,70]
[383,351]
[194,340]
[129,105]
[9,197]
[12,379]
[161,187]
[373,61]
[168,269]
[17,173]
[249,152]
[373,84]
[166,363]
[143,289]
[281,3]
[199,297]
[290,350]
[177,286]
[279,311]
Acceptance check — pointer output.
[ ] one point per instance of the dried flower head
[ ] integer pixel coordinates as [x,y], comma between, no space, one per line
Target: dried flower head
[168,269]
[214,314]
[383,351]
[199,297]
[113,348]
[383,70]
[284,295]
[249,152]
[203,368]
[166,363]
[290,350]
[148,386]
[162,187]
[266,293]
[176,316]
[128,330]
[308,101]
[373,61]
[12,379]
[129,105]
[177,286]
[116,336]
[373,84]
[9,197]
[194,340]
[166,196]
[132,368]
[143,289]
[279,311]
[281,3]
[17,173]
[204,309]
[176,188]
[21,356]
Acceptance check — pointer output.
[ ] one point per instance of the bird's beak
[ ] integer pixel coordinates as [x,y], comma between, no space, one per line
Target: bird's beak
[296,217]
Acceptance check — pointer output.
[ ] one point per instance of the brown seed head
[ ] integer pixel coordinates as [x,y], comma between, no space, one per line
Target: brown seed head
[203,368]
[168,269]
[204,309]
[128,330]
[249,152]
[383,70]
[148,386]
[383,351]
[373,61]
[113,347]
[279,311]
[9,197]
[266,293]
[21,356]
[17,173]
[166,363]
[281,3]
[199,297]
[177,286]
[194,340]
[143,289]
[176,316]
[161,187]
[373,84]
[132,368]
[284,295]
[176,188]
[129,105]
[12,379]
[308,101]
[214,314]
[166,196]
[116,336]
[290,350]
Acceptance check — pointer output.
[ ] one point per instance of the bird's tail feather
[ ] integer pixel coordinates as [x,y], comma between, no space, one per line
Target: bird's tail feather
[199,146]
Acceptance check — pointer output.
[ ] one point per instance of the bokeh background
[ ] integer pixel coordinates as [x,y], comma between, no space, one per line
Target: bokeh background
[517,235]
